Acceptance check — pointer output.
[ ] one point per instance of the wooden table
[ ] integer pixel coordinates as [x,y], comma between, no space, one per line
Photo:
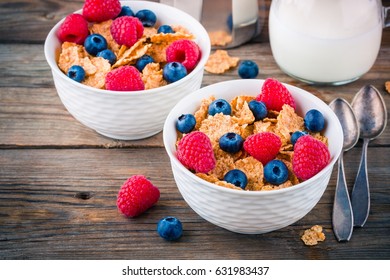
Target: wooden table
[59,179]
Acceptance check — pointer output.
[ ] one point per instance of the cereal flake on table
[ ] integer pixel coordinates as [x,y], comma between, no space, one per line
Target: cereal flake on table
[220,61]
[313,235]
[387,86]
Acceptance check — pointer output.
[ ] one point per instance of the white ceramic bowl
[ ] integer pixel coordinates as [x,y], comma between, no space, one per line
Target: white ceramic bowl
[251,212]
[128,115]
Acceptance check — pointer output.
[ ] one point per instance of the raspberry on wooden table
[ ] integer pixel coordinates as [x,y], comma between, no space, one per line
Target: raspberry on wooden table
[136,196]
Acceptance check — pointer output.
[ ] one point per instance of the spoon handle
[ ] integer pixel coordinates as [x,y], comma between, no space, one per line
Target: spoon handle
[342,217]
[360,191]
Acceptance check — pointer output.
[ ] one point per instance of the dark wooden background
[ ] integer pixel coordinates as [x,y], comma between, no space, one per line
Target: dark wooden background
[59,179]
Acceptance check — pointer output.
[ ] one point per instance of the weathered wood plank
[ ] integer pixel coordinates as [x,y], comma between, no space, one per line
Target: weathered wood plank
[30,108]
[64,203]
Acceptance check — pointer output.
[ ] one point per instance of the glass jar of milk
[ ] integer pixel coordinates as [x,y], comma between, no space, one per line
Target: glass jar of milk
[326,41]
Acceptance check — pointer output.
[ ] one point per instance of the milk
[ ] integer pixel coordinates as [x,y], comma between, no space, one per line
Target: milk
[328,41]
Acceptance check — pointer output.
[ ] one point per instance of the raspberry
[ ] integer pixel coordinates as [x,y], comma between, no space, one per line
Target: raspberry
[126,30]
[101,10]
[184,51]
[195,152]
[125,78]
[73,29]
[274,94]
[310,157]
[136,196]
[263,146]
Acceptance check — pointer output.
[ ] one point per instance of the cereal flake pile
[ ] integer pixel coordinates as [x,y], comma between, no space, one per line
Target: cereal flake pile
[282,123]
[151,43]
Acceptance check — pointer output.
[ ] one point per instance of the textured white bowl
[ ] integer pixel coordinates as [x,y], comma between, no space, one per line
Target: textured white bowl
[128,115]
[250,212]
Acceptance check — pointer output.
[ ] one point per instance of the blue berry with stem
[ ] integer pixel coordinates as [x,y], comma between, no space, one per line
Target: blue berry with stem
[174,71]
[95,43]
[248,69]
[295,136]
[107,54]
[185,123]
[147,17]
[231,142]
[237,178]
[126,11]
[170,228]
[76,73]
[259,109]
[314,120]
[275,172]
[143,61]
[165,29]
[219,106]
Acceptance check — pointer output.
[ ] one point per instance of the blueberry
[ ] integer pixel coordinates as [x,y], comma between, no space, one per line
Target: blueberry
[314,120]
[165,29]
[296,135]
[237,178]
[258,109]
[231,142]
[185,123]
[174,71]
[248,69]
[275,172]
[147,17]
[220,106]
[229,22]
[126,11]
[95,43]
[76,73]
[107,54]
[170,228]
[143,61]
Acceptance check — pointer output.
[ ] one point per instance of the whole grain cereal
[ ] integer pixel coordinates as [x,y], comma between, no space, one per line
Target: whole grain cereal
[220,61]
[313,235]
[96,68]
[242,122]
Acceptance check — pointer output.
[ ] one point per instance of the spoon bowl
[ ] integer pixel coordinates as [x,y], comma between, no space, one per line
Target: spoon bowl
[370,111]
[342,218]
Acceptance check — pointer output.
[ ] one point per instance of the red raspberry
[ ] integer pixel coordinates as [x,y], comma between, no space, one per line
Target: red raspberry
[101,10]
[125,78]
[263,146]
[310,157]
[126,30]
[274,95]
[73,29]
[136,196]
[195,152]
[185,51]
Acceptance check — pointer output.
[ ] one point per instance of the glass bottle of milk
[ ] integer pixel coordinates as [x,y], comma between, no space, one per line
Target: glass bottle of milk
[326,41]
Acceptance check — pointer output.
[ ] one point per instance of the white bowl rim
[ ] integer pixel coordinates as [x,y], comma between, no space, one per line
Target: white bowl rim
[250,193]
[204,56]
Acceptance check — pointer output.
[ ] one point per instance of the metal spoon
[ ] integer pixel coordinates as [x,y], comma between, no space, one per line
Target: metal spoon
[370,111]
[342,217]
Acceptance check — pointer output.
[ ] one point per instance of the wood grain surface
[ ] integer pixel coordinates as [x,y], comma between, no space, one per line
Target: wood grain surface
[59,179]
